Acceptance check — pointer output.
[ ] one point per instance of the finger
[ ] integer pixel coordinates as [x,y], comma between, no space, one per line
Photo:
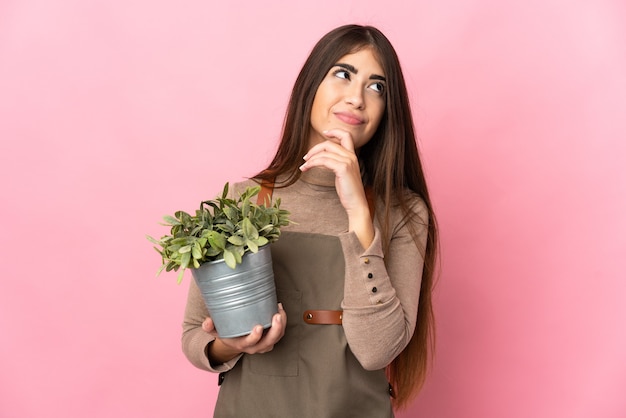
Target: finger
[337,138]
[209,326]
[330,155]
[273,335]
[340,162]
[336,164]
[277,330]
[254,337]
[282,313]
[326,146]
[344,137]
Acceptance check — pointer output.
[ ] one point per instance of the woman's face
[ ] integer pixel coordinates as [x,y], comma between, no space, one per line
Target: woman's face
[351,97]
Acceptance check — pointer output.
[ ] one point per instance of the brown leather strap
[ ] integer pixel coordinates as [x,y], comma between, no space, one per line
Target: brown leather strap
[265,195]
[323,317]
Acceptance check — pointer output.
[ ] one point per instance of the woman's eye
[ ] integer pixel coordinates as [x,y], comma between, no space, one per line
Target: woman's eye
[342,74]
[378,87]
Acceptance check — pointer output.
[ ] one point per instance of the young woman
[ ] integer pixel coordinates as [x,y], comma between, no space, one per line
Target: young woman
[353,269]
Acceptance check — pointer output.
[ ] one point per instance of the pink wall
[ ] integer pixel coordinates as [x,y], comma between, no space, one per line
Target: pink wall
[115,113]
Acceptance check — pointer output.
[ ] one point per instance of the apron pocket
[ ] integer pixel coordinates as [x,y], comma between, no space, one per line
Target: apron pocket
[283,359]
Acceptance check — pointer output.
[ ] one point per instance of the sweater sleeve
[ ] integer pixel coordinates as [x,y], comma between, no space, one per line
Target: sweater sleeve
[194,339]
[381,291]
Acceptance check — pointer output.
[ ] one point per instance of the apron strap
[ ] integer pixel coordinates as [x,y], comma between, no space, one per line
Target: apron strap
[323,317]
[265,195]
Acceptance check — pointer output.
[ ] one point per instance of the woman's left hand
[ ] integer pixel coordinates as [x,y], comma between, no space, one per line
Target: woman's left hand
[338,155]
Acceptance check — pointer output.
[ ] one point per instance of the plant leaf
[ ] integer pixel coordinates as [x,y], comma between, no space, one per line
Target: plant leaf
[170,220]
[245,208]
[229,259]
[161,269]
[249,231]
[252,246]
[231,213]
[196,251]
[237,240]
[185,259]
[152,240]
[216,240]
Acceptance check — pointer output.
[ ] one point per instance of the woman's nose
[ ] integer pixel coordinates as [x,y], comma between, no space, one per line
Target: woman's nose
[354,96]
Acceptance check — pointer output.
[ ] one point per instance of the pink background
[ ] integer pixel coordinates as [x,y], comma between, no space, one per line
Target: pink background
[115,113]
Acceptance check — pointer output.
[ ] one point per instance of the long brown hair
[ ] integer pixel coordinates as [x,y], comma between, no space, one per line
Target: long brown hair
[390,165]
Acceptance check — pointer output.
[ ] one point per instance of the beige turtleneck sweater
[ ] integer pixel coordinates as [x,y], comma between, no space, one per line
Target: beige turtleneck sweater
[377,324]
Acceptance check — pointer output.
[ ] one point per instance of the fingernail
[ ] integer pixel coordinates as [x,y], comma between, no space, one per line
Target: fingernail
[305,156]
[302,167]
[280,305]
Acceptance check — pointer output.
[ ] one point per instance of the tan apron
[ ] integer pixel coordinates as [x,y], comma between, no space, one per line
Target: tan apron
[311,372]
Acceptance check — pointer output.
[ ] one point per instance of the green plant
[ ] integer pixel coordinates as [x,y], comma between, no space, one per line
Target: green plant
[222,228]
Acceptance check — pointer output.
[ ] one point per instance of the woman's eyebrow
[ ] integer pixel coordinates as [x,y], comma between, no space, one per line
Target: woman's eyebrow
[353,70]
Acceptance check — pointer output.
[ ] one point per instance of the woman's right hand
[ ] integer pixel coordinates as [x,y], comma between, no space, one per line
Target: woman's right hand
[222,350]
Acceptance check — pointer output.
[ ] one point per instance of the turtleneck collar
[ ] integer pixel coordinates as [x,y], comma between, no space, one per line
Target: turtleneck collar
[319,176]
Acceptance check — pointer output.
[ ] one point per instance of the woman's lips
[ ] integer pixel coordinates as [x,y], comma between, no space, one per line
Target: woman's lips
[349,118]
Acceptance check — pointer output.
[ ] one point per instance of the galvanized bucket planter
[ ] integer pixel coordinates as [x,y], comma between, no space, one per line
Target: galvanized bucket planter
[239,299]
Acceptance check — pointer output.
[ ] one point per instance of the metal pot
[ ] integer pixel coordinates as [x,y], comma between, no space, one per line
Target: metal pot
[239,299]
